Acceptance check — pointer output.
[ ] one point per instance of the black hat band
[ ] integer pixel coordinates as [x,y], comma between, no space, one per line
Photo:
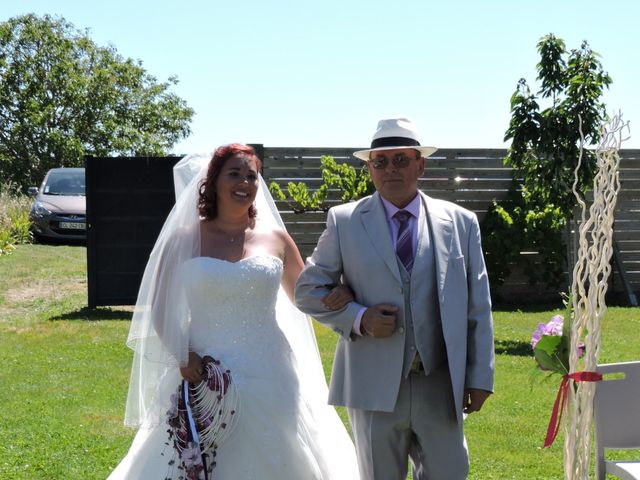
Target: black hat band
[394,142]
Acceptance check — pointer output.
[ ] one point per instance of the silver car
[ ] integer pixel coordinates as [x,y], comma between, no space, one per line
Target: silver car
[59,209]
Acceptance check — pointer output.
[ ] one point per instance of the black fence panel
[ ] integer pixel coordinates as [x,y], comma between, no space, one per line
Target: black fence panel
[128,200]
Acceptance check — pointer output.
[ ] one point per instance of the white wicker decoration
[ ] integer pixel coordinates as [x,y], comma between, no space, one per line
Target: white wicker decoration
[590,277]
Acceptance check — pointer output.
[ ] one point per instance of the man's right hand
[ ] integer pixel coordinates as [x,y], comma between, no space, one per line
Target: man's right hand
[379,321]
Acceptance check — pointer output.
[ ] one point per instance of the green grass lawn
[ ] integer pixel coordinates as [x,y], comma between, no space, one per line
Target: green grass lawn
[65,371]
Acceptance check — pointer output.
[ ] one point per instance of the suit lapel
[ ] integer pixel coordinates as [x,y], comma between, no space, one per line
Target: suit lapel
[374,221]
[441,230]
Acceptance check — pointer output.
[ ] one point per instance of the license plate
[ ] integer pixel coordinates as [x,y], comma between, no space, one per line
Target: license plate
[73,225]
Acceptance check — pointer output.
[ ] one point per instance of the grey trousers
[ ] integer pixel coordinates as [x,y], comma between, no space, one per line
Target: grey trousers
[422,428]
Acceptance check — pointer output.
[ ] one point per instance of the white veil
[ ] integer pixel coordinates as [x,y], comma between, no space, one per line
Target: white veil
[159,329]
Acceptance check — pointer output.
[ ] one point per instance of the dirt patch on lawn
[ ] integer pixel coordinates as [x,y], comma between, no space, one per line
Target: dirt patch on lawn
[44,290]
[21,299]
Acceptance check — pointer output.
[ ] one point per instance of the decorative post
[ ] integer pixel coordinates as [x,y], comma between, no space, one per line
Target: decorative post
[590,281]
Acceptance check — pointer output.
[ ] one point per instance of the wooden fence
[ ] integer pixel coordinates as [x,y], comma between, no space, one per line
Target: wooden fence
[472,178]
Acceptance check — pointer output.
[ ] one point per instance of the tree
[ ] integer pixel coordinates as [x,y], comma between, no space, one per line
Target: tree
[63,97]
[545,145]
[544,153]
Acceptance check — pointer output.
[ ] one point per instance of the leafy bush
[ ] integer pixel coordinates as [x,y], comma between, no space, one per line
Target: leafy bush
[515,227]
[14,218]
[352,183]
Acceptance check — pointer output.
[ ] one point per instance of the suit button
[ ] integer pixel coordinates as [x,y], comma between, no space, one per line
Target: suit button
[401,330]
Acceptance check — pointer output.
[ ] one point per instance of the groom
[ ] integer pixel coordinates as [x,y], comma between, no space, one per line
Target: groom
[416,345]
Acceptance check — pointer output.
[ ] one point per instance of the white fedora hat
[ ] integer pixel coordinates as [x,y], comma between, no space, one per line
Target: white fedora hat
[393,133]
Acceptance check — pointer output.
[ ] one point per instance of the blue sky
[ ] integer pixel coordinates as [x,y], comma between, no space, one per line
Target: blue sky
[321,73]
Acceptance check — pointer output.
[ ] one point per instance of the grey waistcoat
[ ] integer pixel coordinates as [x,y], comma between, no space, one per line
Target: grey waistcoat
[429,344]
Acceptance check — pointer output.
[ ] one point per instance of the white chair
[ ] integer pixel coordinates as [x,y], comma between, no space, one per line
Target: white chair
[616,409]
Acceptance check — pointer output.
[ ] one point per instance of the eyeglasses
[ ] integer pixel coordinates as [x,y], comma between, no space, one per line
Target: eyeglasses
[400,161]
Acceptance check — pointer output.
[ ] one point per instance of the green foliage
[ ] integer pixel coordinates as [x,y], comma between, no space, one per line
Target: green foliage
[300,193]
[15,226]
[63,97]
[514,227]
[353,184]
[544,151]
[545,352]
[6,243]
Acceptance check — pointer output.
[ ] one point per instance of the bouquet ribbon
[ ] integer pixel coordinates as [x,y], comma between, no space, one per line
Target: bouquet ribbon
[561,400]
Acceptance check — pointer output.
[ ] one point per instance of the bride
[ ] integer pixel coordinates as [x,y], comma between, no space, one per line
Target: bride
[226,381]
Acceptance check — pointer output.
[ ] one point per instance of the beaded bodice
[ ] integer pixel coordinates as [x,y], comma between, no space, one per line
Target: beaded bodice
[232,309]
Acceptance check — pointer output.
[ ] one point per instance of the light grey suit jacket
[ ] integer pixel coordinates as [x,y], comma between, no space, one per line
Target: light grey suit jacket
[356,245]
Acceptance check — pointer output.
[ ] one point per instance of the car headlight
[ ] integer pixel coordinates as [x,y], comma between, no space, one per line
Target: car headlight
[39,210]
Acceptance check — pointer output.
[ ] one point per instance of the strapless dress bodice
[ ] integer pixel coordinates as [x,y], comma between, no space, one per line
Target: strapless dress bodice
[232,308]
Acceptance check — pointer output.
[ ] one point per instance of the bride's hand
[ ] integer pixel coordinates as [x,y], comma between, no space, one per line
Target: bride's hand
[193,371]
[338,297]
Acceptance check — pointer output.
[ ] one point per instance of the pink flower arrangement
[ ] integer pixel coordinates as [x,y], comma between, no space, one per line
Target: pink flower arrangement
[553,327]
[550,344]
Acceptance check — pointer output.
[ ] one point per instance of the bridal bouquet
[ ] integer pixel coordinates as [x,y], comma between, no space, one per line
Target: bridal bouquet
[201,417]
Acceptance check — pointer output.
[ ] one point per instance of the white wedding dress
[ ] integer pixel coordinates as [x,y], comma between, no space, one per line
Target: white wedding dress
[276,437]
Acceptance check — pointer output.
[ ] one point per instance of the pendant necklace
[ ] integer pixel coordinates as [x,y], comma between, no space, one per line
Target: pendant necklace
[232,238]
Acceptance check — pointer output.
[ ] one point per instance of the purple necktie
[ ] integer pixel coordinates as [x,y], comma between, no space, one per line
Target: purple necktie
[404,249]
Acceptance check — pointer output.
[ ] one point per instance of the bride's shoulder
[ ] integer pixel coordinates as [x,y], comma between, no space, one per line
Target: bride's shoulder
[181,235]
[268,228]
[187,232]
[272,234]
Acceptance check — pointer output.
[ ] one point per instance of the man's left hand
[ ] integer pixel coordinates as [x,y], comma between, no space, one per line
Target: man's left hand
[473,399]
